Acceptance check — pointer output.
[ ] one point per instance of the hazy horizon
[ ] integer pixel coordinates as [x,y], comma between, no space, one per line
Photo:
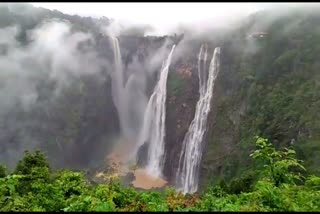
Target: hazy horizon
[163,17]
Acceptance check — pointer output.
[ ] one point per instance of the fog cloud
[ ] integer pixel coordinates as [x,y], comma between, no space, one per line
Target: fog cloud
[55,54]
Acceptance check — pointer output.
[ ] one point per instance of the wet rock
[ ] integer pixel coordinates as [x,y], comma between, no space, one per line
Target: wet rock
[142,155]
[128,178]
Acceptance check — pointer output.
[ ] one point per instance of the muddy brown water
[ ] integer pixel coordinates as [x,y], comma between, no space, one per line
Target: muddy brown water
[118,158]
[145,181]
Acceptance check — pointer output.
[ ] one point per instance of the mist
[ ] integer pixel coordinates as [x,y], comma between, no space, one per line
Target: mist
[55,55]
[35,74]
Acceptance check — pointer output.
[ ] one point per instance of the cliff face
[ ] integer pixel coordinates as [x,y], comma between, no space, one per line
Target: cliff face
[77,126]
[266,86]
[182,97]
[224,119]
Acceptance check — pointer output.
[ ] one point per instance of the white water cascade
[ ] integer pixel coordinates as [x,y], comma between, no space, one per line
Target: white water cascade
[188,171]
[129,97]
[118,83]
[153,130]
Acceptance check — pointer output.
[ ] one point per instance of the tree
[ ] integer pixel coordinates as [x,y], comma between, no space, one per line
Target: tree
[3,170]
[30,161]
[278,164]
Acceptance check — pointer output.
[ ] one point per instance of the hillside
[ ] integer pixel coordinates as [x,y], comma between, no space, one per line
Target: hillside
[56,96]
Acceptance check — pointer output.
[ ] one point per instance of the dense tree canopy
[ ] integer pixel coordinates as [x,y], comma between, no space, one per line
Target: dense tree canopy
[278,186]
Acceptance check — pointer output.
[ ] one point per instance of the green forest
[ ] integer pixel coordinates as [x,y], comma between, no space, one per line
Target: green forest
[281,184]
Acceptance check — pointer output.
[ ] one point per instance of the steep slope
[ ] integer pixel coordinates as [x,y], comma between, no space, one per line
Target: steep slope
[268,87]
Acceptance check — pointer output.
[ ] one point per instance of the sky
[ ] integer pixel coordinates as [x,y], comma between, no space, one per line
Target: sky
[163,16]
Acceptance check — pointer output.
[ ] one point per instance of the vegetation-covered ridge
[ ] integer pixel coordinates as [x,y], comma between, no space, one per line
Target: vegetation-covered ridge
[280,184]
[268,86]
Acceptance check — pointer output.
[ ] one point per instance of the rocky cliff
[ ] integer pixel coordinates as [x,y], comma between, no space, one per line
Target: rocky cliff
[267,86]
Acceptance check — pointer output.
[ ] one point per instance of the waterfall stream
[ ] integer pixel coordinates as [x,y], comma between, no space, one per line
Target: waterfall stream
[130,100]
[153,131]
[190,157]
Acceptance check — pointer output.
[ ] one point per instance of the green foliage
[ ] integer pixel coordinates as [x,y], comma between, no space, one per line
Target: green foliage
[176,84]
[71,183]
[243,183]
[3,171]
[29,162]
[266,194]
[313,182]
[38,189]
[278,164]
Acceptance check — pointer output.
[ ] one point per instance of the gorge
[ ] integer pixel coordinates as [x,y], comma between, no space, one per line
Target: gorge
[157,104]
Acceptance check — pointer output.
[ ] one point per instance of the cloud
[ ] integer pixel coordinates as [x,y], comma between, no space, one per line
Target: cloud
[163,17]
[54,59]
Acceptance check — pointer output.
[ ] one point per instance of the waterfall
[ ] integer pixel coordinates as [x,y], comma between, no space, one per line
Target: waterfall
[188,171]
[130,100]
[153,131]
[118,83]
